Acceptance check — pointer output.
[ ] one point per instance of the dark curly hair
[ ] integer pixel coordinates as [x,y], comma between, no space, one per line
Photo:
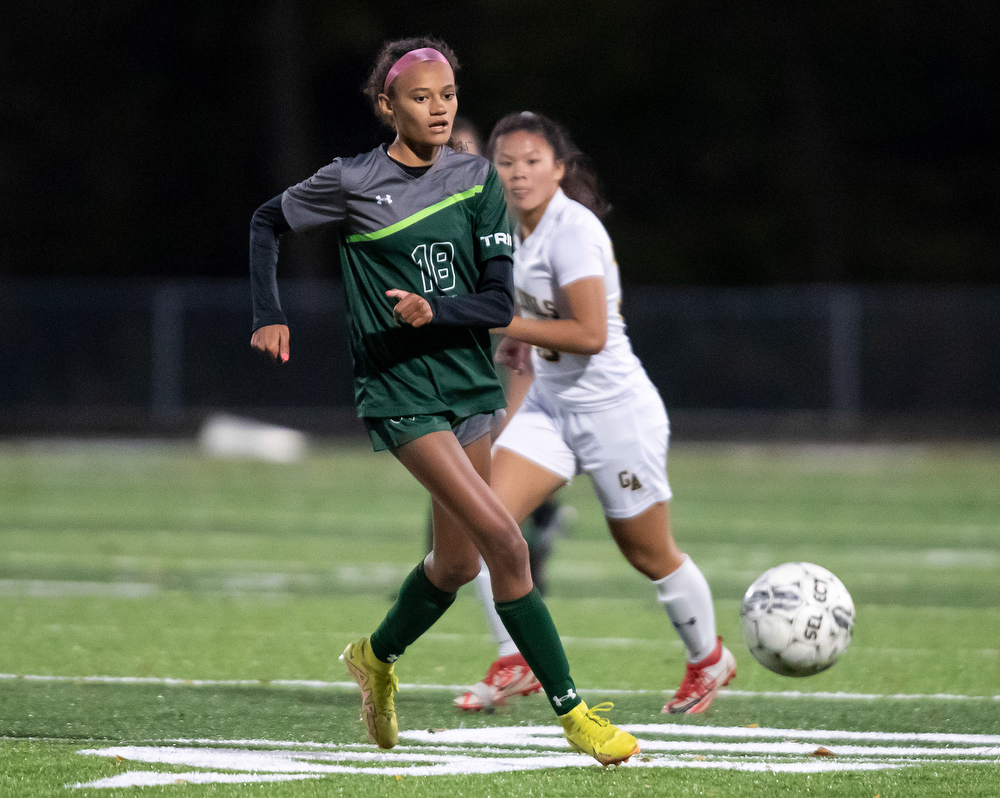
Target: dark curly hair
[580,179]
[390,53]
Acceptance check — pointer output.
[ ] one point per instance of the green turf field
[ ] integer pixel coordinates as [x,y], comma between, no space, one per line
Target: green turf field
[174,621]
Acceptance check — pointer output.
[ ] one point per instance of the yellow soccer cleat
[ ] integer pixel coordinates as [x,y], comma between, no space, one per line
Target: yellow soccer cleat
[588,733]
[378,684]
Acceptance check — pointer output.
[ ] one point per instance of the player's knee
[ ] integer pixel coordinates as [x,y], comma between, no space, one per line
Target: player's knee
[508,551]
[651,562]
[450,576]
[649,568]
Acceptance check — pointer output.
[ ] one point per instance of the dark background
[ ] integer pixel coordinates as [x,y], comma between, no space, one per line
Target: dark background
[740,143]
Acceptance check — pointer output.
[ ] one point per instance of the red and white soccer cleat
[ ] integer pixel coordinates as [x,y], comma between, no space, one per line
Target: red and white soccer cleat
[702,681]
[508,676]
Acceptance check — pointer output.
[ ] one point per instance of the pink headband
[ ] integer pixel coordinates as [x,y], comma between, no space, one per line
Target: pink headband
[411,58]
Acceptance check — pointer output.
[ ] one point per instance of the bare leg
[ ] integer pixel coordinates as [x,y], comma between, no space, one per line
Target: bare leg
[520,484]
[646,542]
[512,475]
[469,519]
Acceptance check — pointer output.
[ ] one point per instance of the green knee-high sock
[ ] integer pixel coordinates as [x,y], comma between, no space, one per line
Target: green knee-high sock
[530,625]
[418,606]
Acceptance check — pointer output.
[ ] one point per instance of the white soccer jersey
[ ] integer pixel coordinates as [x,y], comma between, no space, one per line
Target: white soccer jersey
[568,244]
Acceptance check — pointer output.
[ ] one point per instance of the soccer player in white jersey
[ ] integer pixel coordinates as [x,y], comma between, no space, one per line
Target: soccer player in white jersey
[591,407]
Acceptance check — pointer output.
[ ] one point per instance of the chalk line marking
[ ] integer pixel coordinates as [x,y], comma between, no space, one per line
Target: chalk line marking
[316,684]
[527,748]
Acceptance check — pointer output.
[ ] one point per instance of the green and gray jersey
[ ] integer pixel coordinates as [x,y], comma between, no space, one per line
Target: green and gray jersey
[430,235]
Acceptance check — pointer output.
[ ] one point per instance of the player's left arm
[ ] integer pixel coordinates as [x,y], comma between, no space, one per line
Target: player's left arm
[492,305]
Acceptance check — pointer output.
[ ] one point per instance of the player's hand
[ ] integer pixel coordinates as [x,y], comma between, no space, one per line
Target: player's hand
[514,354]
[272,340]
[411,309]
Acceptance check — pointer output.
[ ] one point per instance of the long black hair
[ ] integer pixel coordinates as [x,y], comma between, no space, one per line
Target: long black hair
[390,53]
[580,180]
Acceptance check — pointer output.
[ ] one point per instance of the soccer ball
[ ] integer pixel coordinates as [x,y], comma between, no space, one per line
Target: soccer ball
[797,619]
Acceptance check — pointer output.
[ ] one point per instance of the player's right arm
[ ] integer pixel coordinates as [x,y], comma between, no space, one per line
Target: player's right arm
[584,332]
[576,264]
[272,339]
[316,201]
[270,328]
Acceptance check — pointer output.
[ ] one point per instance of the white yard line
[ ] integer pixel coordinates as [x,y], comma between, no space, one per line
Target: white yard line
[525,748]
[315,684]
[55,588]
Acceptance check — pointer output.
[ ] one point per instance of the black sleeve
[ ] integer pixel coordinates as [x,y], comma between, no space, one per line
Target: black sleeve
[266,228]
[491,306]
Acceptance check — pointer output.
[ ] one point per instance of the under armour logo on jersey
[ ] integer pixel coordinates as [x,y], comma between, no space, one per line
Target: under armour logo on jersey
[567,697]
[387,199]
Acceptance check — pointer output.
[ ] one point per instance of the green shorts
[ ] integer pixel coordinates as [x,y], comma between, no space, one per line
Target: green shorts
[391,433]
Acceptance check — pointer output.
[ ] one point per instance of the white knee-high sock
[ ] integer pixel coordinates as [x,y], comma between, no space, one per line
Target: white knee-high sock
[686,597]
[484,589]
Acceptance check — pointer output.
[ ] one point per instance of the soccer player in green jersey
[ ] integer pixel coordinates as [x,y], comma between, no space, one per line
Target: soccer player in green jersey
[425,249]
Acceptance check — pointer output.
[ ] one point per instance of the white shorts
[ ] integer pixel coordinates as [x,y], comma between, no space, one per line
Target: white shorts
[622,449]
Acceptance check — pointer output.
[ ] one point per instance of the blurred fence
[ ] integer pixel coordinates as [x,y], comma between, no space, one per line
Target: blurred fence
[813,361]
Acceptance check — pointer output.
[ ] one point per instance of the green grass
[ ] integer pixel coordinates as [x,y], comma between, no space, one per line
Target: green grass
[232,586]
